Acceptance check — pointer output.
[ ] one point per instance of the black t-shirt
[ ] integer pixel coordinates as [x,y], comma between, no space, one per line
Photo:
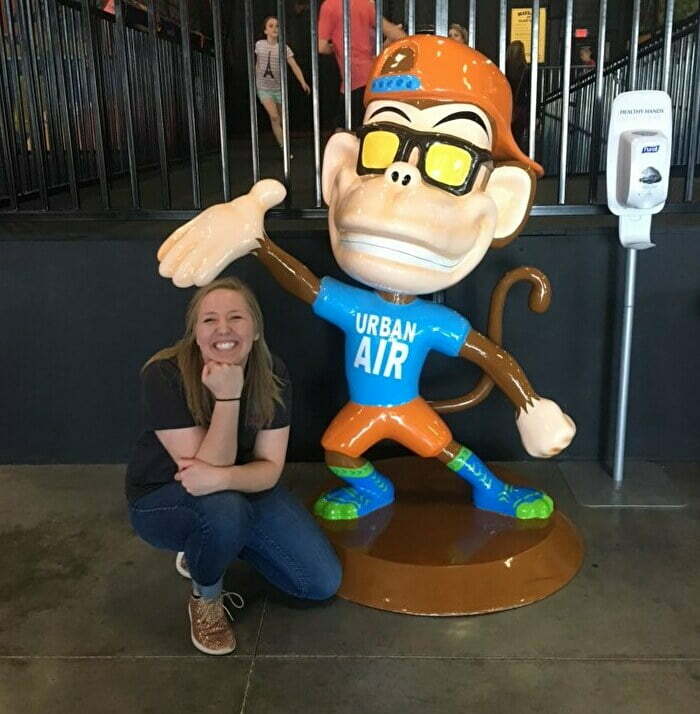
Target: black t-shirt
[165,407]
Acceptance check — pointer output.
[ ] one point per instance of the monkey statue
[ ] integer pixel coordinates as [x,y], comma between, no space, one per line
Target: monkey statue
[416,196]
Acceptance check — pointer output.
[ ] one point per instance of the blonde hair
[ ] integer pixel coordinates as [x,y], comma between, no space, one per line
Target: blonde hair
[462,31]
[262,387]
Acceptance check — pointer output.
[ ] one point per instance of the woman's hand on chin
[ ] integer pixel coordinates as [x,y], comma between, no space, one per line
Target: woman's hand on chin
[199,478]
[224,381]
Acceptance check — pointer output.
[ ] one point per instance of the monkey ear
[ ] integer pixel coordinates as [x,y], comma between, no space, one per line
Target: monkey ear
[341,150]
[512,188]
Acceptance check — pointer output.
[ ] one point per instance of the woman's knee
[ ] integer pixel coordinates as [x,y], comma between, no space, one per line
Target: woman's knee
[325,580]
[225,519]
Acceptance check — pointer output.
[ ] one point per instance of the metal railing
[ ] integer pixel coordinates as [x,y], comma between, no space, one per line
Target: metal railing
[582,100]
[94,104]
[79,104]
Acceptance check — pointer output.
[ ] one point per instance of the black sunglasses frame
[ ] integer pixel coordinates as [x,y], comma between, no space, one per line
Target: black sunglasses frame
[410,139]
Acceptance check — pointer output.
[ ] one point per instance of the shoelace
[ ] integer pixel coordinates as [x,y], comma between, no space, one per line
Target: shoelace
[213,608]
[229,596]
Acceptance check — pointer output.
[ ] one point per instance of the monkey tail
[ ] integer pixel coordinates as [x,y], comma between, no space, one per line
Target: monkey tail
[538,301]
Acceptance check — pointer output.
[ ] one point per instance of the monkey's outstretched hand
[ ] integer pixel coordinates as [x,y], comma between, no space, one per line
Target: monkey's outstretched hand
[544,428]
[198,251]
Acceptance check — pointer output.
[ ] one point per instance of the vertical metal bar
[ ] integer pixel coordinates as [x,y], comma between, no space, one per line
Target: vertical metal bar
[347,64]
[68,37]
[28,49]
[441,17]
[6,124]
[126,89]
[502,26]
[315,105]
[55,153]
[410,16]
[252,99]
[158,96]
[534,55]
[95,99]
[189,99]
[565,95]
[472,23]
[282,52]
[51,19]
[668,31]
[378,32]
[20,139]
[634,46]
[594,164]
[623,391]
[221,96]
[695,120]
[630,280]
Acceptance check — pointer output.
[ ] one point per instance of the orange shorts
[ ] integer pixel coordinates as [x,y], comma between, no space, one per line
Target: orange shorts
[356,427]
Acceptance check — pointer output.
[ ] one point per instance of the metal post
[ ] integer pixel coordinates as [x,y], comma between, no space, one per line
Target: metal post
[158,95]
[96,99]
[410,16]
[668,32]
[28,50]
[566,91]
[596,134]
[252,99]
[502,24]
[347,68]
[315,105]
[126,88]
[284,86]
[379,32]
[221,97]
[441,17]
[695,121]
[534,55]
[186,40]
[67,130]
[472,24]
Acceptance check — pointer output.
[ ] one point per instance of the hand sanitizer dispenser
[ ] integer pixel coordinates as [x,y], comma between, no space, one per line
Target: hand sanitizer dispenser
[638,162]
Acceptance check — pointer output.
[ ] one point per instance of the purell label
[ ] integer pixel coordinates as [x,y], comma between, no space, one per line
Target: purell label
[650,149]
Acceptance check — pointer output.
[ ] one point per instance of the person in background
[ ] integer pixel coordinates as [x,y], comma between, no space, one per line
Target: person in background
[362,43]
[518,75]
[458,33]
[203,479]
[267,74]
[585,56]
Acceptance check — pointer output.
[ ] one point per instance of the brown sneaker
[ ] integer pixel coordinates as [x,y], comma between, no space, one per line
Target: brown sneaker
[210,626]
[181,566]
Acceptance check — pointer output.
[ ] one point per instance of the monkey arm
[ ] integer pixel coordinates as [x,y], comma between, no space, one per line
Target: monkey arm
[501,367]
[289,272]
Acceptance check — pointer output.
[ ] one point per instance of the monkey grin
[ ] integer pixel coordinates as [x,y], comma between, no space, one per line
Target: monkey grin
[398,251]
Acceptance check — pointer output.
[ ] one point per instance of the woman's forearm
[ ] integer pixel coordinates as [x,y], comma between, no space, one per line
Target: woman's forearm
[256,476]
[220,444]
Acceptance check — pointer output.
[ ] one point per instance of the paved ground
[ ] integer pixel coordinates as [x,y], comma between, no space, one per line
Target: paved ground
[94,620]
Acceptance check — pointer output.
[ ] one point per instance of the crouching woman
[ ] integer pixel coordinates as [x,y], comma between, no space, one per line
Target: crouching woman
[203,479]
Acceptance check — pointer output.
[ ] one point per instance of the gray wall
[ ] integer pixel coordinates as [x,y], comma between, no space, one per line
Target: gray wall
[82,308]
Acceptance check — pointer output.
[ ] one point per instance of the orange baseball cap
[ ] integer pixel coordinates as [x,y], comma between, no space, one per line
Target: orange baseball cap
[430,67]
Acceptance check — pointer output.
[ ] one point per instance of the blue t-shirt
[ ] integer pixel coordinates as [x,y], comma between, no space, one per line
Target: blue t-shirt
[386,344]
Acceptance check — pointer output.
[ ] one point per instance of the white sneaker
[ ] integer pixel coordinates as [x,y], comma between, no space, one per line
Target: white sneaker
[181,566]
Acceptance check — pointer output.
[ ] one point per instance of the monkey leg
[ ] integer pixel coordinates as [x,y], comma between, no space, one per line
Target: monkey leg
[367,489]
[489,492]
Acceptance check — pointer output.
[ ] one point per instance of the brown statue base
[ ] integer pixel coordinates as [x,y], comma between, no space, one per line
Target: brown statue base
[432,553]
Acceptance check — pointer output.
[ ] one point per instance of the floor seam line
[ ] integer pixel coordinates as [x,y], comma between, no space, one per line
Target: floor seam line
[251,669]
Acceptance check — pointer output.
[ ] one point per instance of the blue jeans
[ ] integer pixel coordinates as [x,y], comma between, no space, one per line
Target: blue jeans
[270,530]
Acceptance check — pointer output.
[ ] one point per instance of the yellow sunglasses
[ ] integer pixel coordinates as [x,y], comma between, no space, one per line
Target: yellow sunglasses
[445,161]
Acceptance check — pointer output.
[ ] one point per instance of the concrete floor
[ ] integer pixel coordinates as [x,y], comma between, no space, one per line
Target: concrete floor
[93,620]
